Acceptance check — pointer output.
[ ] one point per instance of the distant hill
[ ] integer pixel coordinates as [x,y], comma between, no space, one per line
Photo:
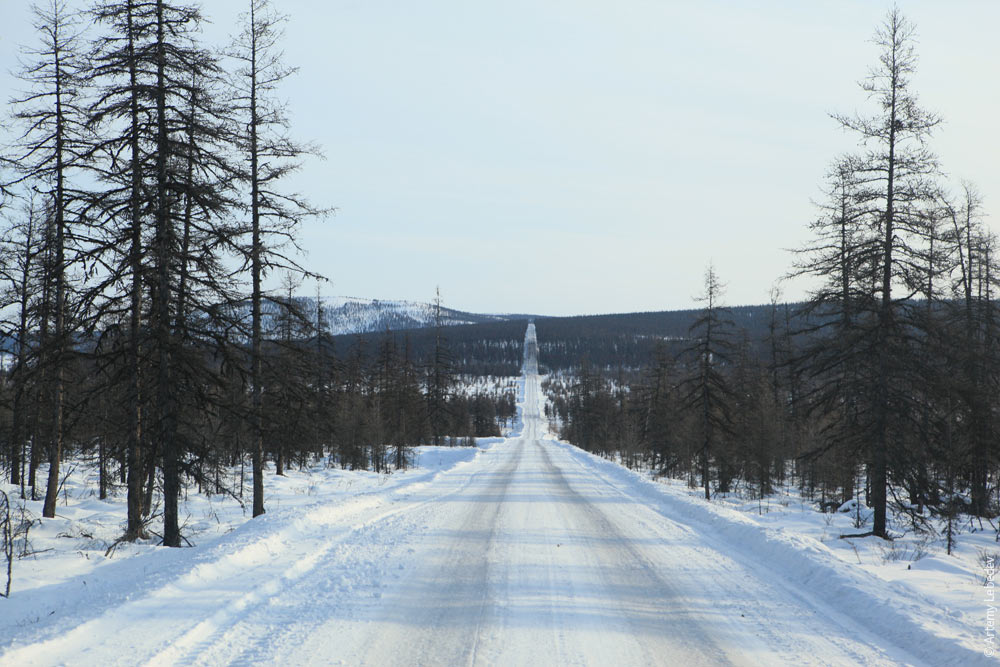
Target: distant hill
[356,315]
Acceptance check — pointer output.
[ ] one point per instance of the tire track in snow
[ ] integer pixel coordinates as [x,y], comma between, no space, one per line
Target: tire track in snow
[451,591]
[212,633]
[653,593]
[204,598]
[819,633]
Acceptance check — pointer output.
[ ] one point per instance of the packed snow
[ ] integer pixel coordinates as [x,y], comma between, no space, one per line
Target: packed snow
[523,550]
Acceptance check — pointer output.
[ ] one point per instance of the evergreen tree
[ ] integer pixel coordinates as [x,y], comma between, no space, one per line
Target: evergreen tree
[439,379]
[269,156]
[705,390]
[894,175]
[49,150]
[167,205]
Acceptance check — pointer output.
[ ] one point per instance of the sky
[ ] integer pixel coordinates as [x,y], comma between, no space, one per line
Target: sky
[564,157]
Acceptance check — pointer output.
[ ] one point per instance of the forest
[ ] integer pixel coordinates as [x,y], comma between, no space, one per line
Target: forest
[882,386]
[147,213]
[146,207]
[627,341]
[476,350]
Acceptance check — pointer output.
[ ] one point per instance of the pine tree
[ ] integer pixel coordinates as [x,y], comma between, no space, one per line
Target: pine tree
[439,379]
[48,152]
[157,104]
[974,373]
[705,391]
[20,269]
[895,175]
[270,156]
[120,61]
[872,250]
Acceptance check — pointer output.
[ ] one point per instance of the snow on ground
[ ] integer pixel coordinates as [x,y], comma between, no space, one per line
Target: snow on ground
[66,577]
[469,385]
[938,610]
[521,551]
[947,593]
[909,589]
[74,543]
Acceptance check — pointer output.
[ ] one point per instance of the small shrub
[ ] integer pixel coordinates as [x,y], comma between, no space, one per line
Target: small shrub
[989,564]
[896,551]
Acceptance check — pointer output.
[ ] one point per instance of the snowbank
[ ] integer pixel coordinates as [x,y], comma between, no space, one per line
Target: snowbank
[910,618]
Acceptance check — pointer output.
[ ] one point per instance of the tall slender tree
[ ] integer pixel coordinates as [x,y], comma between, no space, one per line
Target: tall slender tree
[439,378]
[120,64]
[975,372]
[836,319]
[705,391]
[270,156]
[890,187]
[163,163]
[48,151]
[20,269]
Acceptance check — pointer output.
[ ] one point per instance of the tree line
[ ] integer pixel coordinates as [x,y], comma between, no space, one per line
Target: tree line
[476,350]
[627,340]
[883,383]
[146,200]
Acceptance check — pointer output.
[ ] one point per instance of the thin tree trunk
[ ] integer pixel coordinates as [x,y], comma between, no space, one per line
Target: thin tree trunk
[134,503]
[257,445]
[166,426]
[879,473]
[19,437]
[56,445]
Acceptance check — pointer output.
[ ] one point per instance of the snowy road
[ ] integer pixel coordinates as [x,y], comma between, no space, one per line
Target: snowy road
[524,555]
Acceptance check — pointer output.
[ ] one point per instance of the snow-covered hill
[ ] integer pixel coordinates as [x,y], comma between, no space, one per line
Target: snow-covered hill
[348,314]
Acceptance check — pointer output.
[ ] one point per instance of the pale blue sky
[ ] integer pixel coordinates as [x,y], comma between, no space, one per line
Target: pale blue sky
[592,156]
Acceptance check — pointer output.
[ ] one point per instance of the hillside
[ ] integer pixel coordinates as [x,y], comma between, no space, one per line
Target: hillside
[353,315]
[629,340]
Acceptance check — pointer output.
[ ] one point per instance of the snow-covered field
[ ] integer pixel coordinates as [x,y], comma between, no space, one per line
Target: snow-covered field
[520,551]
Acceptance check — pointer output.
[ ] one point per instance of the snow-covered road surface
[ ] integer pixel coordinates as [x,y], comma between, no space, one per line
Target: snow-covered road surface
[525,555]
